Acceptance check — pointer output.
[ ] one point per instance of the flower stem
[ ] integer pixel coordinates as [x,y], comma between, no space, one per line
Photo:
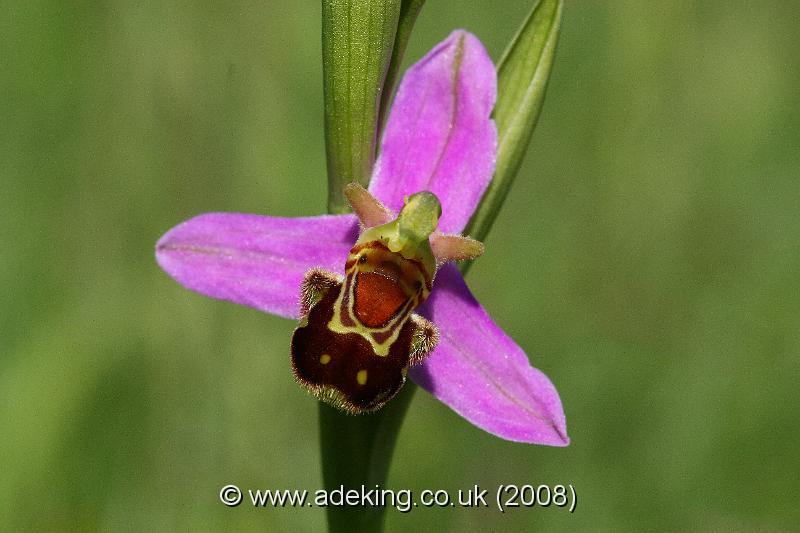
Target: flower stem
[357,450]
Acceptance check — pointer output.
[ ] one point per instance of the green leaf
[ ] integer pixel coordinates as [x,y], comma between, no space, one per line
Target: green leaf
[522,76]
[357,41]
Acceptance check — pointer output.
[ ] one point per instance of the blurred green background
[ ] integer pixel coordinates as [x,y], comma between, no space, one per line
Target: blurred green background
[647,260]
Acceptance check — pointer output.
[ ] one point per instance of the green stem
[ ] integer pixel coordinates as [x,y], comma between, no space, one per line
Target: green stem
[357,450]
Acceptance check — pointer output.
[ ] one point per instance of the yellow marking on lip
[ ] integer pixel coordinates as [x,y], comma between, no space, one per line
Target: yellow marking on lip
[325,359]
[380,349]
[361,377]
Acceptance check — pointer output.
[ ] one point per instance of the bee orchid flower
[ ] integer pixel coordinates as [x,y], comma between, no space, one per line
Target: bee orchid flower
[439,138]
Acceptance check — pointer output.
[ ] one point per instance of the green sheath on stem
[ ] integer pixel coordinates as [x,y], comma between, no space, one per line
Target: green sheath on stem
[408,16]
[357,42]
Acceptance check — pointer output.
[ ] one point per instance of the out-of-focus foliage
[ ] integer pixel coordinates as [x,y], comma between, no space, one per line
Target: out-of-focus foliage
[647,259]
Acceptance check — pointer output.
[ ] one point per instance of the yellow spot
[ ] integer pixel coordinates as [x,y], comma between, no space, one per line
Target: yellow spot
[325,359]
[361,377]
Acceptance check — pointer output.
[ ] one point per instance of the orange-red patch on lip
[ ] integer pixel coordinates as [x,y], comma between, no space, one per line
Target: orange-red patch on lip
[377,298]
